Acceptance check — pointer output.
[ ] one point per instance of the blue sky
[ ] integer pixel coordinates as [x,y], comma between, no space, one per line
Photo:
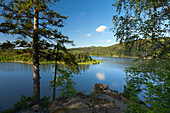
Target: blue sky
[88,24]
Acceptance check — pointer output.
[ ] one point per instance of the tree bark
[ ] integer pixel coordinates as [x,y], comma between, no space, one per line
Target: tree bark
[55,73]
[36,76]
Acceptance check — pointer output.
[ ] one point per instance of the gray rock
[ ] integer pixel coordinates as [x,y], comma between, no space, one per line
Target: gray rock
[36,109]
[104,101]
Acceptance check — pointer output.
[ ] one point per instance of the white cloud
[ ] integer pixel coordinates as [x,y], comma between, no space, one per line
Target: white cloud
[100,76]
[101,28]
[108,41]
[88,34]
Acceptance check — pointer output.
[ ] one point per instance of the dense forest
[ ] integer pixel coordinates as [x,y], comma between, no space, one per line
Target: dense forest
[22,55]
[82,55]
[124,49]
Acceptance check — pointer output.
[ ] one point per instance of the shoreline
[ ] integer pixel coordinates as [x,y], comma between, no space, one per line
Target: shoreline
[123,57]
[115,56]
[52,62]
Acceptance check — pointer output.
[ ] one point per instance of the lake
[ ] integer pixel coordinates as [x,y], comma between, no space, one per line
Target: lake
[16,79]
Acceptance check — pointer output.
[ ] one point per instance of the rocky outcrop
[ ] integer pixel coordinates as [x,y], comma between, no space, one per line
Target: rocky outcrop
[101,100]
[104,89]
[36,109]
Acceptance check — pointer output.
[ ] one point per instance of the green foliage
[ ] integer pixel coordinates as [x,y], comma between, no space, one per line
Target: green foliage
[7,45]
[14,55]
[25,55]
[146,49]
[82,56]
[26,102]
[35,21]
[64,84]
[45,102]
[18,16]
[147,19]
[151,77]
[135,108]
[23,104]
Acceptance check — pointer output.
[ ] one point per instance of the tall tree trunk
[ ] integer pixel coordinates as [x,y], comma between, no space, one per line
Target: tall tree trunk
[36,76]
[55,73]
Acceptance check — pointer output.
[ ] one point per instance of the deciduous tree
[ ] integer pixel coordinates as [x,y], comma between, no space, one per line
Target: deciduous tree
[143,19]
[146,19]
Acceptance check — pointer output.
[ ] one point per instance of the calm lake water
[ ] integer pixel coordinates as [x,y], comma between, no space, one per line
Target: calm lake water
[16,79]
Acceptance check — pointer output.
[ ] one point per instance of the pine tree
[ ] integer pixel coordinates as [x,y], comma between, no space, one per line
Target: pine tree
[60,54]
[32,20]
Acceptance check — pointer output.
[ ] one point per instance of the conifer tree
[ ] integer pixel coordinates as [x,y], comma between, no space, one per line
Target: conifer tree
[35,21]
[58,53]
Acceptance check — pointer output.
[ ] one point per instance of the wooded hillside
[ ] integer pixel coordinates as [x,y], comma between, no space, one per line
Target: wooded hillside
[124,50]
[25,56]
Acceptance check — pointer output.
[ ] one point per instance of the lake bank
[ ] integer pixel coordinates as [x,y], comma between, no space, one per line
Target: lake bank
[52,62]
[116,56]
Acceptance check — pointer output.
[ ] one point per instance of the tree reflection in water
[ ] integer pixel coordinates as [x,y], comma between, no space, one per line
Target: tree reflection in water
[83,68]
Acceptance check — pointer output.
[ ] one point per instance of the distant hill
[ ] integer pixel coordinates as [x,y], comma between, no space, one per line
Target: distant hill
[141,47]
[117,50]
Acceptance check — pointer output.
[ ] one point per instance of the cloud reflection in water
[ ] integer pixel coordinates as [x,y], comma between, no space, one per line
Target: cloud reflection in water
[100,76]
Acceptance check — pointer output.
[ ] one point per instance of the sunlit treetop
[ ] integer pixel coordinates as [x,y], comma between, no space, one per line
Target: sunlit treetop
[18,16]
[143,19]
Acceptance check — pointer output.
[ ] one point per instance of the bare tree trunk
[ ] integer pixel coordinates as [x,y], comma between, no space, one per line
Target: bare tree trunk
[55,73]
[36,76]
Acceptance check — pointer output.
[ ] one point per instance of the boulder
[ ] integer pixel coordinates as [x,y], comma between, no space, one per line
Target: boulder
[102,89]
